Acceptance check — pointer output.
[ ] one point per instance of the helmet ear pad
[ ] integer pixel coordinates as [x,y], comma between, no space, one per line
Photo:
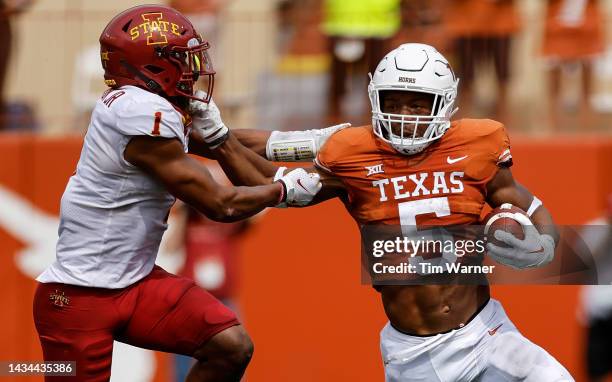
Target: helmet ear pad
[413,68]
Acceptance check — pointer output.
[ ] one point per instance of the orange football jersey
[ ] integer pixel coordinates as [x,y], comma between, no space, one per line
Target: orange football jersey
[441,186]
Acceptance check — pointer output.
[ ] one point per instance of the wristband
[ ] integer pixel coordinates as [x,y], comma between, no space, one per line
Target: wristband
[283,193]
[217,138]
[535,204]
[280,172]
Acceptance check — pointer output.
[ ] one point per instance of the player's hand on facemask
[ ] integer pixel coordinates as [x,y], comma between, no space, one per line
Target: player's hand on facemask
[533,251]
[300,187]
[207,118]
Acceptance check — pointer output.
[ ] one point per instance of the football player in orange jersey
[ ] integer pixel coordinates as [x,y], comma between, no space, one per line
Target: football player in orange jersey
[415,167]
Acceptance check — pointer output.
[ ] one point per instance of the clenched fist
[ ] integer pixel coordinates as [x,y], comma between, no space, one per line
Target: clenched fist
[300,187]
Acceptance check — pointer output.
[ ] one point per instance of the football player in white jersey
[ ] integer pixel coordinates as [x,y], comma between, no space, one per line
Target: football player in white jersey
[104,284]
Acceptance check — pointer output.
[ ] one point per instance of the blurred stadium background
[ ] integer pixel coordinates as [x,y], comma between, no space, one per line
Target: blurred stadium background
[310,318]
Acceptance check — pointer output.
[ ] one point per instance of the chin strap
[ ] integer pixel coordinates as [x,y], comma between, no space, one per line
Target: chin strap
[149,83]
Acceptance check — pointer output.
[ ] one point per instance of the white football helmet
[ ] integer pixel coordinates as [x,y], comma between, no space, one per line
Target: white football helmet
[414,68]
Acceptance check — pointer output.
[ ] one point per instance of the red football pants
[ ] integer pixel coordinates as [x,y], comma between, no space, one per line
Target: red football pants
[160,312]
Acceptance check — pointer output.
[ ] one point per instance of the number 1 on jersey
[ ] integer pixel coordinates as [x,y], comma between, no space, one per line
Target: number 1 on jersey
[158,116]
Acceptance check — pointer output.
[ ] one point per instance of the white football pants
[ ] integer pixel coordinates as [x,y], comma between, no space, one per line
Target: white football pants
[488,349]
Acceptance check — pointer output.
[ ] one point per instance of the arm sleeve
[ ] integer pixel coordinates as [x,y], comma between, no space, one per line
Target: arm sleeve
[490,146]
[501,147]
[326,158]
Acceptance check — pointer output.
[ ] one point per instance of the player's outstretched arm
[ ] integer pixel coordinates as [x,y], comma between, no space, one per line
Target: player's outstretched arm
[255,170]
[190,181]
[538,247]
[255,140]
[278,146]
[241,165]
[211,138]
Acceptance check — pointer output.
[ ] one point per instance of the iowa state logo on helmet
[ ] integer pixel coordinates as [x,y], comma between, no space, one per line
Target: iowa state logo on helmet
[155,48]
[154,28]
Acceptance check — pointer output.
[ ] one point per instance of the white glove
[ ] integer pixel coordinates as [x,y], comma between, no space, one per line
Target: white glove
[207,118]
[533,251]
[297,146]
[300,187]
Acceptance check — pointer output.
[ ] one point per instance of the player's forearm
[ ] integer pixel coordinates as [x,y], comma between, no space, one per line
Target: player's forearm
[188,180]
[243,166]
[228,204]
[238,203]
[277,146]
[287,146]
[255,140]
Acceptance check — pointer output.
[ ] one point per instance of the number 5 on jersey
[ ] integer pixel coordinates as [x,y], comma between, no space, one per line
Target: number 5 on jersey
[408,212]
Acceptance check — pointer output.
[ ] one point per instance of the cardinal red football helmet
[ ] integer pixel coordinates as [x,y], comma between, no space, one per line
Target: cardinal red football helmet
[156,48]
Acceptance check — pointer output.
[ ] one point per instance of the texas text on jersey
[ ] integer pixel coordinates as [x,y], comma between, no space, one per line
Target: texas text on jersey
[445,183]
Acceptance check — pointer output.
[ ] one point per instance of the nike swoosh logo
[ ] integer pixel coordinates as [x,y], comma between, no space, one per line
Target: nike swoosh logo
[299,182]
[494,330]
[455,160]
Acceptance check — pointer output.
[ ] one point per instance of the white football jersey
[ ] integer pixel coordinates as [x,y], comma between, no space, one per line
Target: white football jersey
[113,215]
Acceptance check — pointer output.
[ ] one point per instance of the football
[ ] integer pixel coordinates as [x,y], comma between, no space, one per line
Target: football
[508,218]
